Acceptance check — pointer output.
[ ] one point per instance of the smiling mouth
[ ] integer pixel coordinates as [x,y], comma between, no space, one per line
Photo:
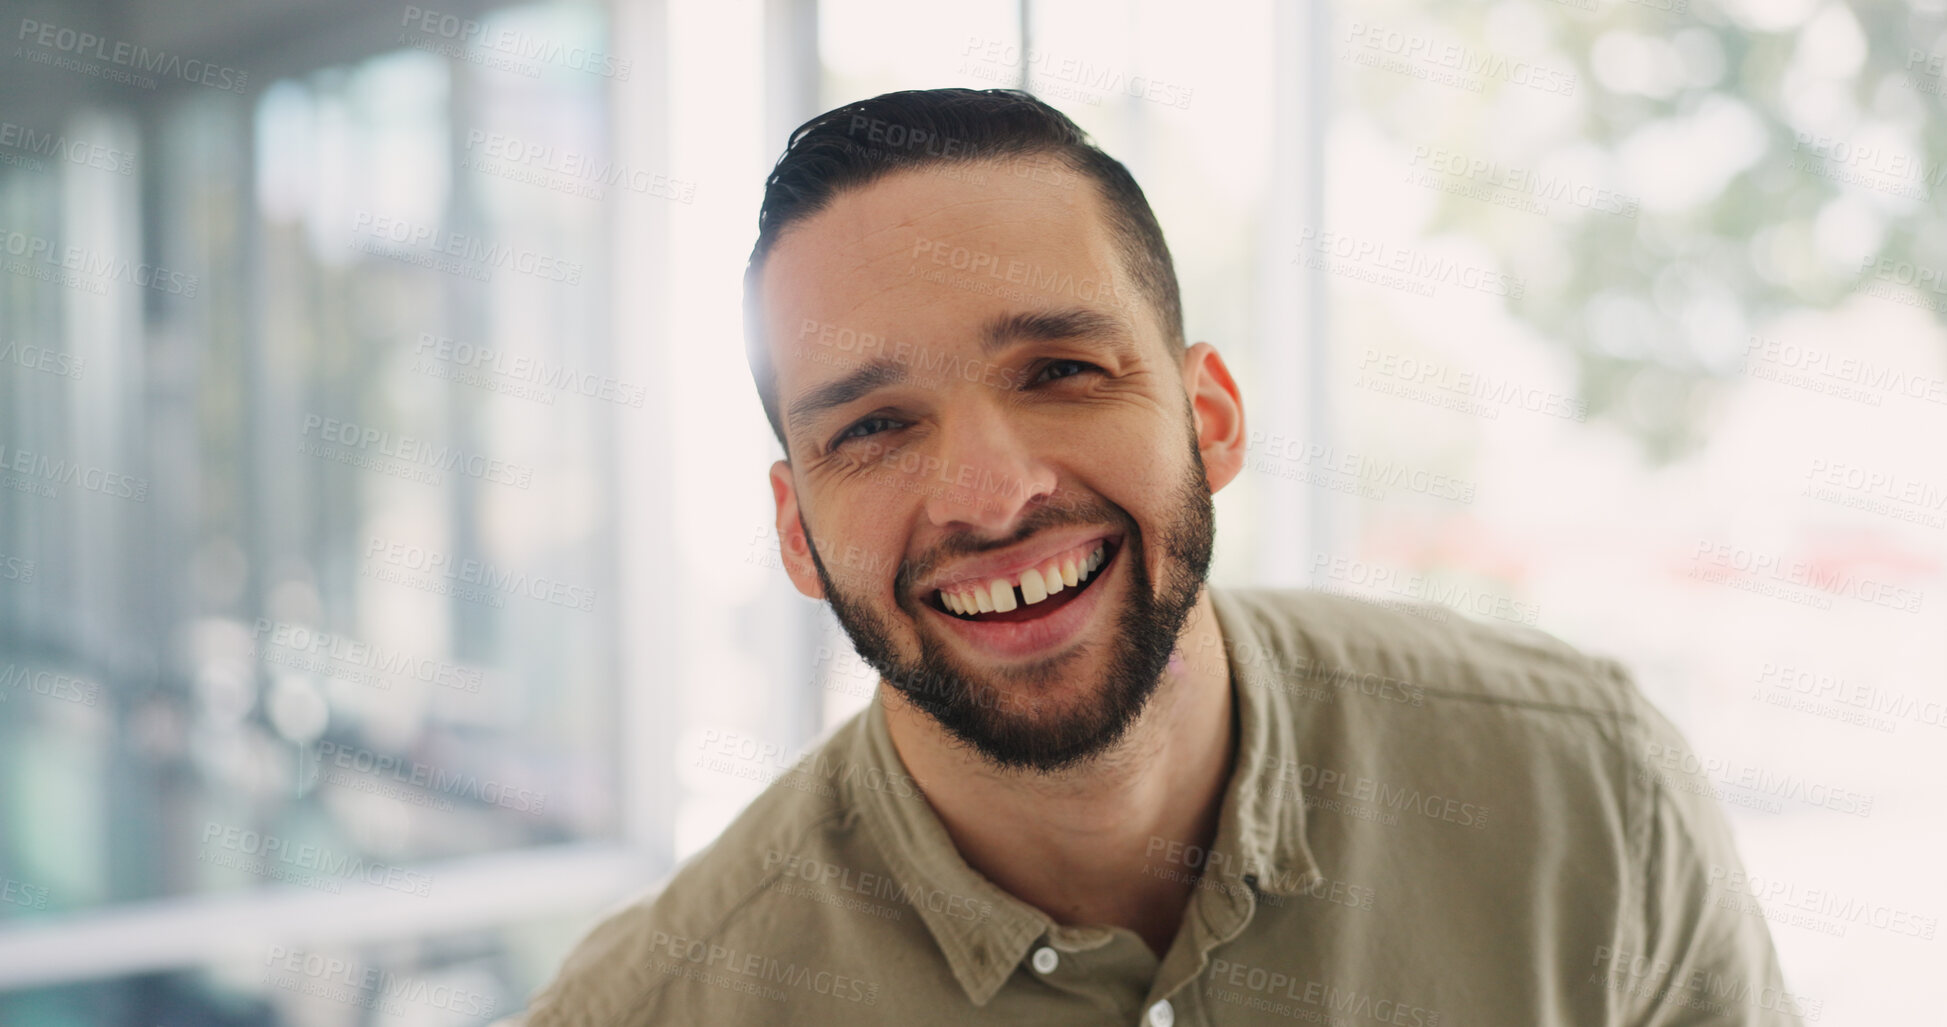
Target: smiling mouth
[1034,594]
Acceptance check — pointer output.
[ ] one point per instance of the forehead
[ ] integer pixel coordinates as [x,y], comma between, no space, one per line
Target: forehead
[927,256]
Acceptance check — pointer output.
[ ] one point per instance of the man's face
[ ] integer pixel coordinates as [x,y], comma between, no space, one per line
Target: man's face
[978,404]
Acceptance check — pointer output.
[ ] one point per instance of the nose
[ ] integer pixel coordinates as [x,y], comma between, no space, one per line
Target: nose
[990,473]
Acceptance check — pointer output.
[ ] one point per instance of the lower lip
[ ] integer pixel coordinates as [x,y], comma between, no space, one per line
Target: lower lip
[1021,639]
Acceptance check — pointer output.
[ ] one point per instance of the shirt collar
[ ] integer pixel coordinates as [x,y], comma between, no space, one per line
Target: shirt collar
[1271,846]
[984,950]
[1260,833]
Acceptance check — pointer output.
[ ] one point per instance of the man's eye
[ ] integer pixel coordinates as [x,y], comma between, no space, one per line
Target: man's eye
[870,426]
[1064,369]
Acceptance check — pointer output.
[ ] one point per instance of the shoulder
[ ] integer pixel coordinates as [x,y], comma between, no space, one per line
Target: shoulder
[726,936]
[1500,716]
[1429,651]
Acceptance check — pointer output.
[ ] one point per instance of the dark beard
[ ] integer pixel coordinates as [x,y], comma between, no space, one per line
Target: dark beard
[986,719]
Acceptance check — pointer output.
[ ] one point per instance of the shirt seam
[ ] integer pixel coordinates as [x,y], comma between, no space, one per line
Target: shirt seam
[1650,872]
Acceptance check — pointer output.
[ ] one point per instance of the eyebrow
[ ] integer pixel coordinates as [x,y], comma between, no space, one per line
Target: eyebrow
[996,335]
[1049,326]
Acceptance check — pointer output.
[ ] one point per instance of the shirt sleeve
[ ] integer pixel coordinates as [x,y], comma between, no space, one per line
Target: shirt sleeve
[1702,952]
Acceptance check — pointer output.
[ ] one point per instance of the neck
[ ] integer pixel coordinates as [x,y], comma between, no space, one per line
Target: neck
[1077,844]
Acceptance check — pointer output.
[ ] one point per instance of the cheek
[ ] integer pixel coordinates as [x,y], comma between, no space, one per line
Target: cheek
[865,543]
[1145,479]
[1146,468]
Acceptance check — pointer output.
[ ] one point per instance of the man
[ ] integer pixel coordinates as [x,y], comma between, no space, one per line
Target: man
[1092,789]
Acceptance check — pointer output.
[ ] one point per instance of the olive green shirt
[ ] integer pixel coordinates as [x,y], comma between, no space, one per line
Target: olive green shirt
[1429,822]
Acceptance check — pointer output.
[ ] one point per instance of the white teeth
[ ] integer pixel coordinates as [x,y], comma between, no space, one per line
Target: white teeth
[1036,584]
[1033,589]
[1003,595]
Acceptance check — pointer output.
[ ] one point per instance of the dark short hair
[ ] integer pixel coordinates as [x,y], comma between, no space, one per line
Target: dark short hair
[859,143]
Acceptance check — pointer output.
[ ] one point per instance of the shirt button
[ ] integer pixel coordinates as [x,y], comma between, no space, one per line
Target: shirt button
[1162,1014]
[1045,960]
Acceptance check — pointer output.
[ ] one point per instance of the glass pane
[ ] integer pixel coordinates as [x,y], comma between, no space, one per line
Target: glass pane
[1635,337]
[307,465]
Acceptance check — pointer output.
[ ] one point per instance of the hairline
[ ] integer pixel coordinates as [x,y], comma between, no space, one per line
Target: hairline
[1131,250]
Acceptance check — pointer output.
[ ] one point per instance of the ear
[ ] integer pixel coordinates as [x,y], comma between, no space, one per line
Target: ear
[792,544]
[1218,410]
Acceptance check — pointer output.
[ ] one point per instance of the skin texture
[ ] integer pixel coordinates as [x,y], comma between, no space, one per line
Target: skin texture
[985,448]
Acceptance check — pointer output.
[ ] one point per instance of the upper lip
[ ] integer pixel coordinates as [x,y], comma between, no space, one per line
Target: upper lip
[1009,563]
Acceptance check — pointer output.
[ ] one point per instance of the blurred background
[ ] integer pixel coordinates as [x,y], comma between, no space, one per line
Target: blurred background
[387,579]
